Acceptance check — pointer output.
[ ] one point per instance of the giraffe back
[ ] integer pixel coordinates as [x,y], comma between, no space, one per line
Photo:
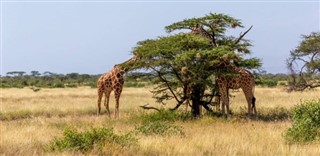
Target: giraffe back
[244,80]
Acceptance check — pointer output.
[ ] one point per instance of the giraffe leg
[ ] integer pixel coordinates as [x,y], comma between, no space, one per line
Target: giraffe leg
[100,94]
[225,101]
[106,101]
[254,105]
[249,98]
[228,104]
[117,95]
[253,99]
[217,103]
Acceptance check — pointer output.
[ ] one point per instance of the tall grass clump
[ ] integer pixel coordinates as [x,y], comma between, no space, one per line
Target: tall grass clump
[161,123]
[160,128]
[165,115]
[274,114]
[88,140]
[306,123]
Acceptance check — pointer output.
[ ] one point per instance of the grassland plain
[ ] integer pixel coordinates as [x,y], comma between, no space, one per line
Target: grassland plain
[31,120]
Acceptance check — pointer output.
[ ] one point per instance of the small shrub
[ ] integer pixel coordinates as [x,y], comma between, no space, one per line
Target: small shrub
[283,83]
[165,115]
[71,85]
[306,123]
[22,114]
[91,84]
[269,83]
[160,128]
[87,140]
[134,84]
[58,85]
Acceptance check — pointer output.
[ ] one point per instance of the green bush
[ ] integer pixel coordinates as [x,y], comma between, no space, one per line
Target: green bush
[283,83]
[165,115]
[306,123]
[91,84]
[87,140]
[58,85]
[71,85]
[134,84]
[268,83]
[160,128]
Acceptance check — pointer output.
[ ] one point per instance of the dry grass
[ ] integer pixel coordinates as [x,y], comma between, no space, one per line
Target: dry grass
[30,120]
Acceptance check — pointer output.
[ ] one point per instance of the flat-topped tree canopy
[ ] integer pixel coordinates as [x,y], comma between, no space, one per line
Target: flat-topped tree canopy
[166,56]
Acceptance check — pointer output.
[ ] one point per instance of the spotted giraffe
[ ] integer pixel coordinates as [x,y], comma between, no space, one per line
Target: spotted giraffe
[243,79]
[112,81]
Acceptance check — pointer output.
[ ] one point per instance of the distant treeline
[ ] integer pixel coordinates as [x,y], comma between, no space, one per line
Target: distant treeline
[20,79]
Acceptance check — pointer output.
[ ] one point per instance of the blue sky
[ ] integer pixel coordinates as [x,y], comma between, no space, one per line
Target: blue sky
[90,37]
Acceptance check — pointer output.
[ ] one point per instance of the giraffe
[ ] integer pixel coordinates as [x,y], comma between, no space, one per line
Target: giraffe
[112,81]
[243,79]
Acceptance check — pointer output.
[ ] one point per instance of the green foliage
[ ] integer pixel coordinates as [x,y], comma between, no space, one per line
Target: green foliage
[160,128]
[165,115]
[135,84]
[71,85]
[221,21]
[87,140]
[268,83]
[58,85]
[306,123]
[181,60]
[271,80]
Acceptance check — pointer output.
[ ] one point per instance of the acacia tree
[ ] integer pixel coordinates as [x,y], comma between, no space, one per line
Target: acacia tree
[183,65]
[304,63]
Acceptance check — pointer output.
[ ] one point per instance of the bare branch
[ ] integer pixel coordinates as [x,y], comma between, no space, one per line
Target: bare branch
[167,83]
[178,105]
[214,44]
[147,107]
[241,36]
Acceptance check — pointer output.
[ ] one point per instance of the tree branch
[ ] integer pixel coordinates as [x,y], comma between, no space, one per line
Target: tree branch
[147,107]
[214,44]
[178,104]
[241,36]
[167,83]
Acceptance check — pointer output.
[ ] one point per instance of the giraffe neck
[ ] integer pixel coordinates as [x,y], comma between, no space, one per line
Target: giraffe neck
[204,33]
[120,69]
[125,66]
[198,29]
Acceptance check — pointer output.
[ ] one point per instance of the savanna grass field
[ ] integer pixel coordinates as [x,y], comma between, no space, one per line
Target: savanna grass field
[31,121]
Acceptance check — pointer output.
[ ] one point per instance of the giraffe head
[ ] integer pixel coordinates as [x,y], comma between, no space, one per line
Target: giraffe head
[196,29]
[125,66]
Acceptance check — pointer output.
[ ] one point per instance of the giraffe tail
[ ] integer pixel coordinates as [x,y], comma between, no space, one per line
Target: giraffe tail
[253,102]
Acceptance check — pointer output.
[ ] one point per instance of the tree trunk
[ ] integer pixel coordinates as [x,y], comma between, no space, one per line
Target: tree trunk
[196,100]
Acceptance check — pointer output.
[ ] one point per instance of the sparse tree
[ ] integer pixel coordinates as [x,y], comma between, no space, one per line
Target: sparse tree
[304,63]
[35,73]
